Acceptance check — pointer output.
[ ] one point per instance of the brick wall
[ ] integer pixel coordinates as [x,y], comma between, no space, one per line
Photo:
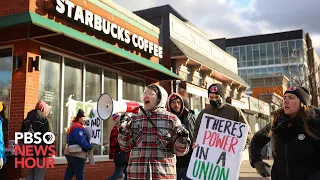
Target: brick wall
[99,171]
[24,96]
[25,85]
[8,7]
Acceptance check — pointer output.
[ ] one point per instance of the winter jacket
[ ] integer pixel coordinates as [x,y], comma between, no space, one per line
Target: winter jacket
[76,134]
[36,121]
[2,145]
[226,111]
[114,143]
[153,148]
[296,155]
[188,119]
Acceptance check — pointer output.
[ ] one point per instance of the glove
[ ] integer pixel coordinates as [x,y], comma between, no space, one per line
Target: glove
[262,168]
[1,163]
[123,118]
[182,131]
[124,128]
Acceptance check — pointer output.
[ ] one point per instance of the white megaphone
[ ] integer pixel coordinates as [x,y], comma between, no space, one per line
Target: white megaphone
[106,106]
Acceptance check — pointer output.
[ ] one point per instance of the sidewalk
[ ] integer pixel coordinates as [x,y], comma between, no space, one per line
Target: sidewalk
[249,173]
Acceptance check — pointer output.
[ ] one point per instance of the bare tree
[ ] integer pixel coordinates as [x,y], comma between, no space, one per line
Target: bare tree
[304,72]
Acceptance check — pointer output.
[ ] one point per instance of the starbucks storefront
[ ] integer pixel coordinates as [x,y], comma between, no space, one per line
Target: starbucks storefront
[67,53]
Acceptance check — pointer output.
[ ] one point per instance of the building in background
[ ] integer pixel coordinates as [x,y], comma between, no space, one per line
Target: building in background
[286,53]
[80,51]
[313,72]
[199,62]
[270,89]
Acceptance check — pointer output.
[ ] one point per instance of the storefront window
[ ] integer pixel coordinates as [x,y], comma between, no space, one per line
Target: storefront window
[72,88]
[5,86]
[76,78]
[110,87]
[132,88]
[49,89]
[93,92]
[93,83]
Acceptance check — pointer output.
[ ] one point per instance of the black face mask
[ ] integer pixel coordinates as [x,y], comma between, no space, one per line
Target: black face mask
[216,104]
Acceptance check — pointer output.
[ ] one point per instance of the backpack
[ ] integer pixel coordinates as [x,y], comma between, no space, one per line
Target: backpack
[34,123]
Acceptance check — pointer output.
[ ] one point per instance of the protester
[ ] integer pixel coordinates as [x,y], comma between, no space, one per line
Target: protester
[78,144]
[154,137]
[37,121]
[119,156]
[2,145]
[218,107]
[180,107]
[294,133]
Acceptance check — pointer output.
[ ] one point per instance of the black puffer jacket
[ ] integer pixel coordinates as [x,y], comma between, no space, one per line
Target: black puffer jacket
[36,122]
[296,155]
[188,119]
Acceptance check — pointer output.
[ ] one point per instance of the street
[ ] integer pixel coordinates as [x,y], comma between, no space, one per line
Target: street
[249,173]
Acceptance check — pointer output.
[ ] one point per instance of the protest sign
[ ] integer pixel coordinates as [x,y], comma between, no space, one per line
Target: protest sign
[218,156]
[93,120]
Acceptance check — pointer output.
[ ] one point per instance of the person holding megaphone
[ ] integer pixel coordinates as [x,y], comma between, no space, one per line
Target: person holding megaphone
[154,136]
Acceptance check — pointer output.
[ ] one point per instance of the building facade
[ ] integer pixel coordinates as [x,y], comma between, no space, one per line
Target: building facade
[60,50]
[286,53]
[199,62]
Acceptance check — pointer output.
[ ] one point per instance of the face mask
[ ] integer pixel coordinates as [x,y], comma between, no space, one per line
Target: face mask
[215,104]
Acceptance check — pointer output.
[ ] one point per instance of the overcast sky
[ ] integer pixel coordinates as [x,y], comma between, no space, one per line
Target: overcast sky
[236,18]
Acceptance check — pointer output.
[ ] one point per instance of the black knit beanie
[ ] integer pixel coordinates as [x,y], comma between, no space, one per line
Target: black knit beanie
[80,114]
[301,92]
[217,89]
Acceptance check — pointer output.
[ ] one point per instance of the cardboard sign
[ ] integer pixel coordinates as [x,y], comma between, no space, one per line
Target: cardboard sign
[93,121]
[218,156]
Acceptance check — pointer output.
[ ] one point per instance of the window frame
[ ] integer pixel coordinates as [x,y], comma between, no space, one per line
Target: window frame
[10,46]
[12,53]
[100,157]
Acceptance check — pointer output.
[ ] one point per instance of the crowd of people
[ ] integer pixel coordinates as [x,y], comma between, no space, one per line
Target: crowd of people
[157,143]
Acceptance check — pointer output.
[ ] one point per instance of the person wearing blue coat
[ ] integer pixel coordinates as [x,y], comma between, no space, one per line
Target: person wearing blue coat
[2,145]
[77,147]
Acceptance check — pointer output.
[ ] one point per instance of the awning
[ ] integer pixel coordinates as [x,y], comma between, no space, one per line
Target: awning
[201,59]
[62,30]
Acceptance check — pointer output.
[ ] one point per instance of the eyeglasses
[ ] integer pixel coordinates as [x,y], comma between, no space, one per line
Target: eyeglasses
[148,94]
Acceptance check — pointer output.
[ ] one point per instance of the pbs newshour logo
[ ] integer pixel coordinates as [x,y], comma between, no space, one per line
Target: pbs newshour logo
[36,147]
